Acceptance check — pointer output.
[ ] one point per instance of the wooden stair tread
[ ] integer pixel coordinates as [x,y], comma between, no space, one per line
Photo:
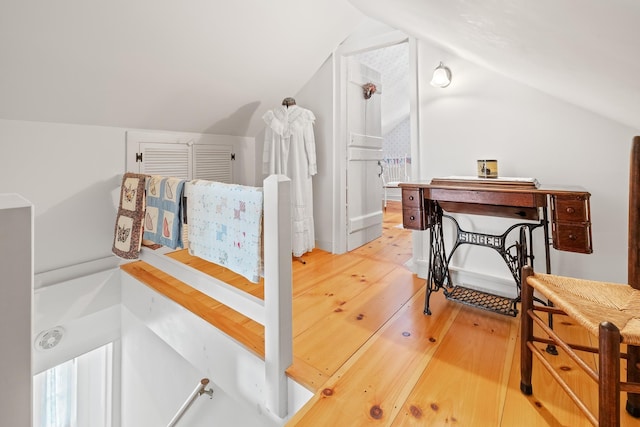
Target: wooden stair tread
[228,321]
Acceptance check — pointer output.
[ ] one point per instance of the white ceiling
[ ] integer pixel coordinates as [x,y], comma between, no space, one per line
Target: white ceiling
[216,66]
[584,51]
[196,65]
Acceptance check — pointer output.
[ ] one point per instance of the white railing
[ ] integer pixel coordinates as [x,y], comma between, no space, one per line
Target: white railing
[275,311]
[197,392]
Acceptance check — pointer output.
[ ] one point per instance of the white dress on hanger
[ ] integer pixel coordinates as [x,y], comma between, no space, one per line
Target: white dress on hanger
[290,149]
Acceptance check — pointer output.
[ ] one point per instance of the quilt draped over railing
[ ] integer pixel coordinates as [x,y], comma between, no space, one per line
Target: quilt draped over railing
[225,225]
[128,229]
[163,217]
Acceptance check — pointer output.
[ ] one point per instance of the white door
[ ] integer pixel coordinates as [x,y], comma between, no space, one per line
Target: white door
[364,153]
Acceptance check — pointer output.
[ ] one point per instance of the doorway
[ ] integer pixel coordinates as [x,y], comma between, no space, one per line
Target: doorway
[393,64]
[394,56]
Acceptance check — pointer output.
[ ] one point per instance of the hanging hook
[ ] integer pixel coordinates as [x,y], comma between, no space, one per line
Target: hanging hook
[368,90]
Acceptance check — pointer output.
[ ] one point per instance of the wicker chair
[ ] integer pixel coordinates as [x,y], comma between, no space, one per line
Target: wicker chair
[609,311]
[394,171]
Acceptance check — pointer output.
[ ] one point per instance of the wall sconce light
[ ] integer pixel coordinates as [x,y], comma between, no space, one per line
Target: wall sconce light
[441,76]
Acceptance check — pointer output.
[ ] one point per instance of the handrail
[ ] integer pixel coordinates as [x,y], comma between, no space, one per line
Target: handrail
[199,391]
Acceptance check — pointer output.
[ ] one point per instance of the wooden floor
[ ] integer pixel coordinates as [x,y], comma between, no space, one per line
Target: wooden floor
[364,347]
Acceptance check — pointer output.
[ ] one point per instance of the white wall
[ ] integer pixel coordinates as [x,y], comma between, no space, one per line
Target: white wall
[485,115]
[317,96]
[87,307]
[156,381]
[69,172]
[16,285]
[247,160]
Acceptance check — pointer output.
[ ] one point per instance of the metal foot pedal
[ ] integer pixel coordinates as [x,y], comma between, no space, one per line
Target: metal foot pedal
[483,300]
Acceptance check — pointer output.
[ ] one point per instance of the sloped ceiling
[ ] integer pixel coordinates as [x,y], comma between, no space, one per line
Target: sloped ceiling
[215,66]
[586,52]
[196,65]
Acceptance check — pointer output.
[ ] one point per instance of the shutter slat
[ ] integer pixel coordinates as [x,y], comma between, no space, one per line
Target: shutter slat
[158,159]
[213,163]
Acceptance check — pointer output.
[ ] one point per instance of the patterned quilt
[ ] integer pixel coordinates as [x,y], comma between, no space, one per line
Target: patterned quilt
[163,219]
[225,225]
[128,230]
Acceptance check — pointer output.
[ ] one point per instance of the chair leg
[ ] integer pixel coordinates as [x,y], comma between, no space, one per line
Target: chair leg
[609,381]
[633,375]
[526,332]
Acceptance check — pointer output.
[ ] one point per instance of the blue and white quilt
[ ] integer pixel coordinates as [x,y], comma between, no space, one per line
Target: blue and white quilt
[225,225]
[163,218]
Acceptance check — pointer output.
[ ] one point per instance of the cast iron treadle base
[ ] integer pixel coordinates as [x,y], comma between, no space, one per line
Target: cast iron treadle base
[483,300]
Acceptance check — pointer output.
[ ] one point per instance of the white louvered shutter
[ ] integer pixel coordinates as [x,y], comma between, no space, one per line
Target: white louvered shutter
[165,159]
[212,162]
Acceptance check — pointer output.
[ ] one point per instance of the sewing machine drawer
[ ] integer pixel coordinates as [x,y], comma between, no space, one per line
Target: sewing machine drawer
[415,214]
[570,208]
[570,223]
[412,198]
[414,219]
[572,237]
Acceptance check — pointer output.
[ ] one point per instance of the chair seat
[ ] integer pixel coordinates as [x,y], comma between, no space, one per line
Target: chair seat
[392,184]
[591,302]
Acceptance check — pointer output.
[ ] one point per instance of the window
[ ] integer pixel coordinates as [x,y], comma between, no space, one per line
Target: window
[76,393]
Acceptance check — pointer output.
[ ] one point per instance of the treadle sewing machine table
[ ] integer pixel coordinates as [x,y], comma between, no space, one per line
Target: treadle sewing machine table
[424,204]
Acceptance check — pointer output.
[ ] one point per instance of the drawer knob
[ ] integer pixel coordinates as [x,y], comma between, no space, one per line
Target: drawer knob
[570,210]
[572,237]
[412,218]
[410,197]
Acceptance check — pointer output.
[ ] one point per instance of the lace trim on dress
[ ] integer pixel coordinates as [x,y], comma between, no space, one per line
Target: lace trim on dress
[283,120]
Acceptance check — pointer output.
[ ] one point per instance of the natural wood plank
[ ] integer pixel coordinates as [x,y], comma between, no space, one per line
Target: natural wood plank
[467,370]
[548,405]
[331,296]
[352,323]
[370,387]
[306,375]
[393,247]
[319,267]
[222,273]
[198,303]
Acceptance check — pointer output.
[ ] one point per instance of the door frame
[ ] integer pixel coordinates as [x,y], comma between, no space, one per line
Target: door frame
[340,131]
